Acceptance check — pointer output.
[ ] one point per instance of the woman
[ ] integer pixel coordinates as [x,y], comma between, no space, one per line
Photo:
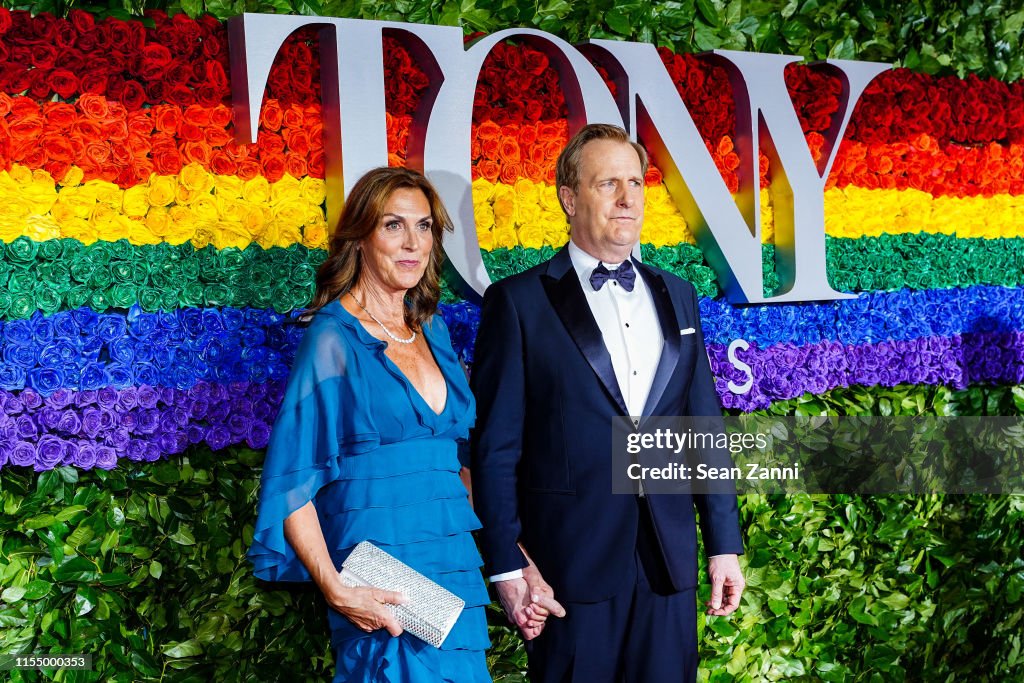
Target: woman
[365,445]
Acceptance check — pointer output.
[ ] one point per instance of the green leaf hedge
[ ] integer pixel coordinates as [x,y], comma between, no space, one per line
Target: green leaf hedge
[145,570]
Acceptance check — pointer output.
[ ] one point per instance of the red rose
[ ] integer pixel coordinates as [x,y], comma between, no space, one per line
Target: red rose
[155,60]
[40,85]
[5,104]
[273,168]
[209,96]
[190,132]
[81,21]
[179,94]
[57,147]
[132,96]
[222,164]
[63,82]
[93,82]
[294,118]
[120,152]
[270,143]
[126,36]
[5,20]
[271,116]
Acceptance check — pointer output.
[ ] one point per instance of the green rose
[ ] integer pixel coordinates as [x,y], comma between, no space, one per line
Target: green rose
[219,294]
[50,250]
[72,249]
[101,277]
[98,300]
[21,281]
[22,250]
[193,294]
[77,296]
[22,305]
[149,298]
[48,300]
[123,294]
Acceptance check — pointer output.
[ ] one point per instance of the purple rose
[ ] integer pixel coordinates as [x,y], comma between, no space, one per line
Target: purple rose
[218,437]
[136,450]
[168,395]
[23,454]
[130,421]
[25,427]
[48,418]
[199,390]
[264,411]
[167,423]
[92,422]
[218,412]
[238,425]
[196,434]
[128,398]
[259,434]
[86,398]
[240,404]
[106,397]
[152,452]
[253,391]
[275,392]
[86,456]
[198,408]
[49,452]
[69,422]
[173,442]
[147,396]
[218,392]
[148,420]
[181,416]
[118,438]
[61,398]
[70,455]
[106,457]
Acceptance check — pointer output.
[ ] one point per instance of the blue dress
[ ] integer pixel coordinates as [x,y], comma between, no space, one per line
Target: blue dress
[379,464]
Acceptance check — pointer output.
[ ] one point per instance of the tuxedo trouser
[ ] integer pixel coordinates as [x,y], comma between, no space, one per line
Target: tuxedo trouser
[643,634]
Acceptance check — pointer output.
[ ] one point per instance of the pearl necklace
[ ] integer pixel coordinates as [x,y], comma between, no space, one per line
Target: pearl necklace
[410,340]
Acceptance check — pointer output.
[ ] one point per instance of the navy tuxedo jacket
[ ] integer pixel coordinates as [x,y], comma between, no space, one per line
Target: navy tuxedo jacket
[541,460]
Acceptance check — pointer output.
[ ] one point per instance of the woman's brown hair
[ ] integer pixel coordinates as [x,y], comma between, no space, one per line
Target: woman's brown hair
[364,209]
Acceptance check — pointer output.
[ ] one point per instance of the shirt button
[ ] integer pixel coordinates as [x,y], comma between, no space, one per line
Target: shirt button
[634,372]
[627,324]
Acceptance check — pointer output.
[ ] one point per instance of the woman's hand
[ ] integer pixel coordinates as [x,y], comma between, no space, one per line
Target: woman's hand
[367,607]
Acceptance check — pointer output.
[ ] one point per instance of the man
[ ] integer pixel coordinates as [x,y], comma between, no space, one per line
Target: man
[561,350]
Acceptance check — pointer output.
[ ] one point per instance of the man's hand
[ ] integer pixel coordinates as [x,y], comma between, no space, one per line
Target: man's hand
[726,584]
[528,605]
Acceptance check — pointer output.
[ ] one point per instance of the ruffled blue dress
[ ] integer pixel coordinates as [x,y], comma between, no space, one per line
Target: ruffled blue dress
[379,464]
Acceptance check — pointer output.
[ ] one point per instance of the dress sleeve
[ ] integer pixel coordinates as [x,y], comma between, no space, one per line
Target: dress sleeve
[316,423]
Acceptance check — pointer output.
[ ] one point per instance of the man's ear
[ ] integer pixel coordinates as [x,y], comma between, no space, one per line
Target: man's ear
[568,199]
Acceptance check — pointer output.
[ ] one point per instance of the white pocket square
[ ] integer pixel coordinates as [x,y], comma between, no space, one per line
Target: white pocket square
[688,330]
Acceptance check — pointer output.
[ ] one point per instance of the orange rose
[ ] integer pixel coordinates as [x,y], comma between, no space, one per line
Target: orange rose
[138,144]
[653,176]
[25,106]
[220,116]
[395,161]
[248,169]
[488,169]
[508,150]
[273,167]
[297,141]
[270,143]
[271,116]
[196,115]
[510,173]
[217,137]
[5,104]
[120,152]
[533,171]
[488,130]
[223,164]
[140,123]
[27,128]
[89,130]
[167,160]
[198,152]
[316,163]
[115,129]
[57,148]
[295,165]
[527,135]
[94,106]
[293,117]
[489,147]
[59,115]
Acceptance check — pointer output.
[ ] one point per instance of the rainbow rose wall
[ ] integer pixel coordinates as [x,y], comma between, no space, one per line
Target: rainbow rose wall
[152,268]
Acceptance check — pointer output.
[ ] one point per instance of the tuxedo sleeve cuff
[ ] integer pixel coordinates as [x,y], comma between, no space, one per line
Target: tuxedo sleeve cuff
[506,576]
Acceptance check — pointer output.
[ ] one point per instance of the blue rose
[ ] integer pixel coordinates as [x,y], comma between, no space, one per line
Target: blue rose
[122,350]
[59,353]
[21,356]
[86,319]
[12,377]
[233,318]
[212,322]
[191,320]
[120,375]
[18,332]
[93,377]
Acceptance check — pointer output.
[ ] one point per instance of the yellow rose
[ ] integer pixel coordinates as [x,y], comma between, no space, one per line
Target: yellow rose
[504,209]
[139,233]
[20,174]
[505,236]
[289,211]
[531,236]
[526,191]
[315,236]
[485,238]
[483,216]
[73,177]
[158,221]
[228,186]
[196,178]
[256,190]
[41,228]
[254,219]
[106,193]
[136,200]
[205,209]
[528,213]
[313,190]
[183,224]
[203,236]
[549,198]
[79,229]
[284,189]
[228,234]
[287,233]
[483,190]
[162,190]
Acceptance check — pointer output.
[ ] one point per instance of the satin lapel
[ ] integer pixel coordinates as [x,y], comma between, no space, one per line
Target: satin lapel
[669,330]
[562,286]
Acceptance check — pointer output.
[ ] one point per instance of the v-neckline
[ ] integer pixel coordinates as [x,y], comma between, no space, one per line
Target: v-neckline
[411,390]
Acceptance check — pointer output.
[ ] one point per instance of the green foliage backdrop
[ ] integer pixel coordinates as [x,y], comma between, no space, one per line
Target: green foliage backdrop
[145,569]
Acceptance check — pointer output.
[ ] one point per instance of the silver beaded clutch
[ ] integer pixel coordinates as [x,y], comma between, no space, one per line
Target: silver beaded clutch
[432,610]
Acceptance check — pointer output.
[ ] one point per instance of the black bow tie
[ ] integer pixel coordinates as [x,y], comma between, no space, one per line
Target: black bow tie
[624,275]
